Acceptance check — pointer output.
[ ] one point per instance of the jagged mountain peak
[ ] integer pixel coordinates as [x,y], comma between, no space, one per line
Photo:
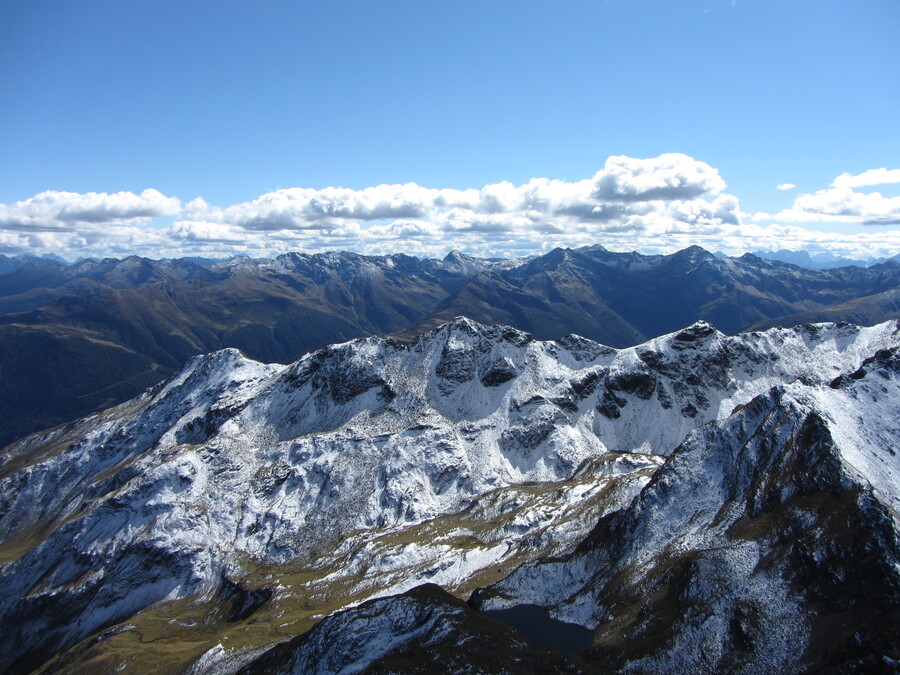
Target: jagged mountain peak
[459,262]
[457,256]
[699,330]
[695,252]
[144,318]
[594,248]
[767,541]
[463,324]
[227,365]
[551,261]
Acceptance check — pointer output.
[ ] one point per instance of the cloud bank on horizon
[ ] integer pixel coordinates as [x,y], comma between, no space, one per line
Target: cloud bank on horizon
[659,204]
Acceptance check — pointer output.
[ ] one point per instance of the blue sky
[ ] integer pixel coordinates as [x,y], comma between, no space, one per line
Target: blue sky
[184,128]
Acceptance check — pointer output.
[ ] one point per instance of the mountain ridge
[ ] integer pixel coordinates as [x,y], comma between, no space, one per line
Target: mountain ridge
[144,318]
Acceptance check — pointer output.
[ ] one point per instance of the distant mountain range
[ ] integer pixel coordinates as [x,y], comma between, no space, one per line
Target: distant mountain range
[820,261]
[696,503]
[81,337]
[12,263]
[622,299]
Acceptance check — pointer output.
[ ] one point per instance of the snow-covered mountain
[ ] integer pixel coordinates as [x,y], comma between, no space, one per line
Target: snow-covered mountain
[767,542]
[237,503]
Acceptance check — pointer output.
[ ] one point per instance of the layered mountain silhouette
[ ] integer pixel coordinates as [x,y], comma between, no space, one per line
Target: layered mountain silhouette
[75,339]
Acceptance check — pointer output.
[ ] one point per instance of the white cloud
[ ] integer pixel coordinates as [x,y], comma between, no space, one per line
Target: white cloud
[624,186]
[405,229]
[302,208]
[669,176]
[192,230]
[841,205]
[658,204]
[723,210]
[67,211]
[785,186]
[613,200]
[866,178]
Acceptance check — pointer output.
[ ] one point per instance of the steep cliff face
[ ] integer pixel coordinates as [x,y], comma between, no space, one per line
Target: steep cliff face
[370,467]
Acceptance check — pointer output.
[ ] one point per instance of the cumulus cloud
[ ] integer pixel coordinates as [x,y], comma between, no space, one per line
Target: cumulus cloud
[669,176]
[65,211]
[403,229]
[841,205]
[785,186]
[658,204]
[303,208]
[308,209]
[723,210]
[866,178]
[193,230]
[615,199]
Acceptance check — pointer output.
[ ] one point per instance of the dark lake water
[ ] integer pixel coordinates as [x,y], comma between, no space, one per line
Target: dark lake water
[541,630]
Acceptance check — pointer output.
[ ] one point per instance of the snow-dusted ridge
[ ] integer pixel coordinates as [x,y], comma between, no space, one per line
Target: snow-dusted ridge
[232,464]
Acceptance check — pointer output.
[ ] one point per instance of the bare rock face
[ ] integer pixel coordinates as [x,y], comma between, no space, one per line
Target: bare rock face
[368,468]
